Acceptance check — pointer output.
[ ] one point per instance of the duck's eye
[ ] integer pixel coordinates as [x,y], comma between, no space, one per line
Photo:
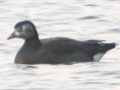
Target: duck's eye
[20,29]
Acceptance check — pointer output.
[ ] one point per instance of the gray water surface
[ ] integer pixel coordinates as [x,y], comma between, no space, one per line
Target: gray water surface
[77,19]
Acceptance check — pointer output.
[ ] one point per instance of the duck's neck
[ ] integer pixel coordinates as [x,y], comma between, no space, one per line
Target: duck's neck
[33,42]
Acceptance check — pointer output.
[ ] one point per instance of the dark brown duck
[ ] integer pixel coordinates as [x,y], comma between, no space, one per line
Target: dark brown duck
[55,50]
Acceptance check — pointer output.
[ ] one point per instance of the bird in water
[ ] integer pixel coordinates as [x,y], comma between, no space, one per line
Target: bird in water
[59,50]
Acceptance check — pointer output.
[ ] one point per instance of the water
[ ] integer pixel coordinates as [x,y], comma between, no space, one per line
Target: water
[77,19]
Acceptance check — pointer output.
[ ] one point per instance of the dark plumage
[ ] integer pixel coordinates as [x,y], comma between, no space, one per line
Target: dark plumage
[55,50]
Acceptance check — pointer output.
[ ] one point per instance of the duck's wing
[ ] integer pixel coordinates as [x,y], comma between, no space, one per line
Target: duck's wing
[61,46]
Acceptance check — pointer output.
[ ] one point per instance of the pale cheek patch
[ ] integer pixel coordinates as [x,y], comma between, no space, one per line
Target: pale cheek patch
[17,33]
[23,26]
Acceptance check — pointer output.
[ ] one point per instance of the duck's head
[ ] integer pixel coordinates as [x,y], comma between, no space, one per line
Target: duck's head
[24,29]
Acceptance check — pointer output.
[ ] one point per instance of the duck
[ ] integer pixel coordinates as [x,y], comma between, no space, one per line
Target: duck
[57,50]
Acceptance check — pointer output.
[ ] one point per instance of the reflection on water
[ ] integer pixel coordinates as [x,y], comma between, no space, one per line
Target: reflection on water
[89,17]
[77,19]
[26,67]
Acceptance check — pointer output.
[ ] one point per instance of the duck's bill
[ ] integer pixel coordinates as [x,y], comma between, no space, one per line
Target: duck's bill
[13,35]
